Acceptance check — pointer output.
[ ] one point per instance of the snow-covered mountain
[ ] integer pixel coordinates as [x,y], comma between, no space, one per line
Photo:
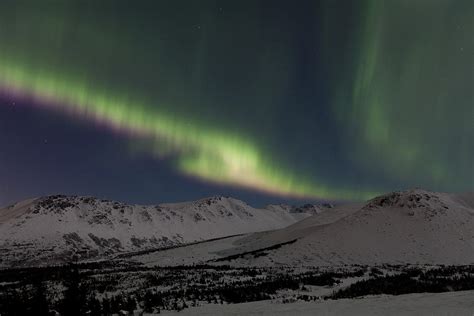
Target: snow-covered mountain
[409,227]
[415,226]
[48,229]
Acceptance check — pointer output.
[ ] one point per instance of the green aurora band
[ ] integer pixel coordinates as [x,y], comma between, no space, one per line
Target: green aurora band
[203,152]
[402,98]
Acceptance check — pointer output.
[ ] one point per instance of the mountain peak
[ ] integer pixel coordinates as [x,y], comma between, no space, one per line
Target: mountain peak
[219,199]
[409,199]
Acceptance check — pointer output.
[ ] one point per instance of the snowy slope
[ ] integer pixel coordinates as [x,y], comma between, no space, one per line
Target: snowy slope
[415,226]
[53,228]
[433,304]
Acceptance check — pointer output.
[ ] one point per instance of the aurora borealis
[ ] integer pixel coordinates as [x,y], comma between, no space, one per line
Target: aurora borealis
[325,100]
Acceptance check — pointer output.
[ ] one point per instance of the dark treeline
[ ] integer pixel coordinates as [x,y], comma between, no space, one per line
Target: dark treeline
[413,280]
[105,289]
[30,296]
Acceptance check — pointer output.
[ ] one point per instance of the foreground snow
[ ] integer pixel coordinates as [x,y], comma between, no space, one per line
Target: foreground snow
[452,303]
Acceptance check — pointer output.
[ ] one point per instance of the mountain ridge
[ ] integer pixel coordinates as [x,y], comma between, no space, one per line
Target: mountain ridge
[53,228]
[403,227]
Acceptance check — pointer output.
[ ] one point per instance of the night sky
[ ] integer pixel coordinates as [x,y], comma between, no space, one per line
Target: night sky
[266,101]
